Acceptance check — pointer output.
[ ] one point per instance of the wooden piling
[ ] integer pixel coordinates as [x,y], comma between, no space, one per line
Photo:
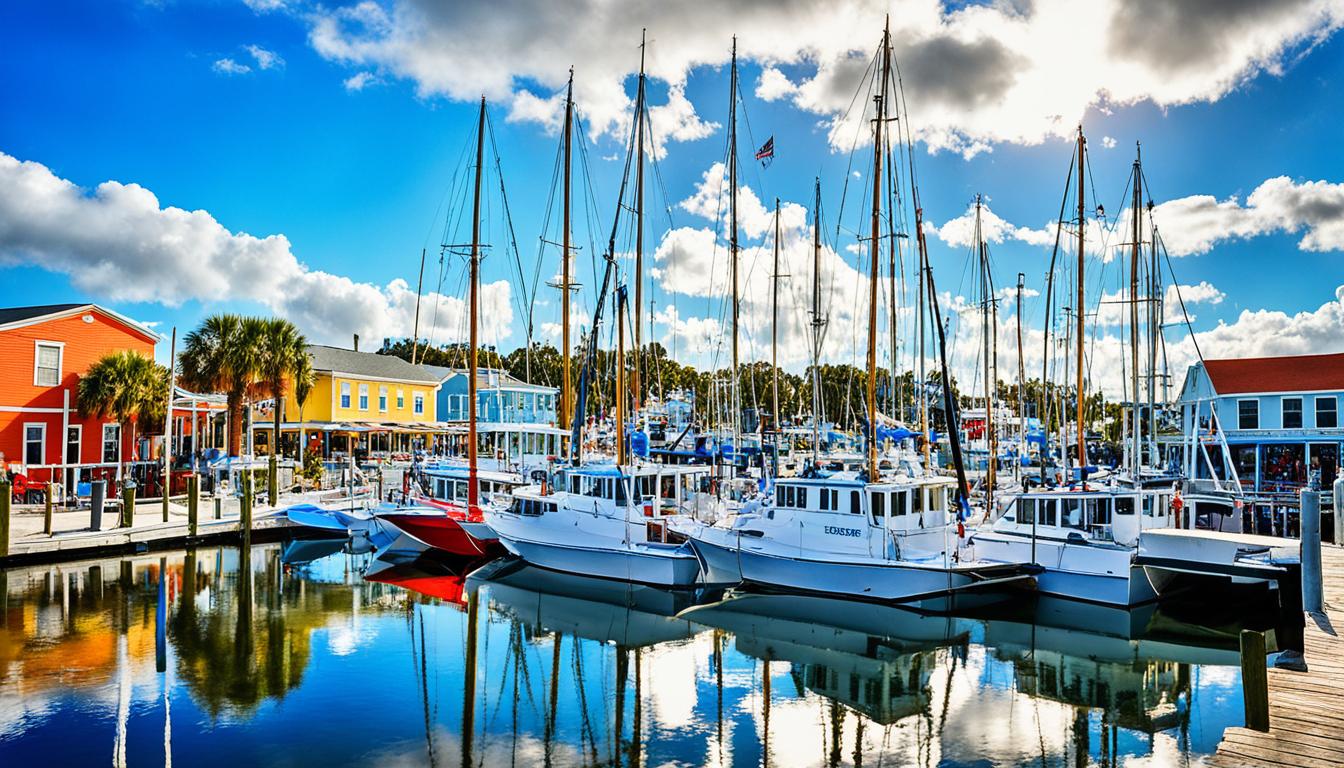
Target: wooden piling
[1255,680]
[127,504]
[219,508]
[193,503]
[48,524]
[5,498]
[245,510]
[273,478]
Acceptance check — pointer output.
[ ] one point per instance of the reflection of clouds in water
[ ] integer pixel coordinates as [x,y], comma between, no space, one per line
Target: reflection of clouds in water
[487,749]
[987,715]
[670,675]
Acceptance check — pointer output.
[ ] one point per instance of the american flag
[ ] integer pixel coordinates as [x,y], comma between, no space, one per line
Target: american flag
[767,149]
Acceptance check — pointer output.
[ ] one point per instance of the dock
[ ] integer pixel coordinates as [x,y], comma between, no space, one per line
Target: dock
[1305,718]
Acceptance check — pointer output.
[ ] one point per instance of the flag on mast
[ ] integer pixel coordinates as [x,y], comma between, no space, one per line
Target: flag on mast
[767,152]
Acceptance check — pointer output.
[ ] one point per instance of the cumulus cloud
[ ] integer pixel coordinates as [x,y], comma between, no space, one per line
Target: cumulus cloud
[230,67]
[359,81]
[960,231]
[118,243]
[265,59]
[1195,224]
[974,75]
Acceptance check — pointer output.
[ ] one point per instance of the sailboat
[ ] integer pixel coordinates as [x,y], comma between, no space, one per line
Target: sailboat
[858,534]
[459,529]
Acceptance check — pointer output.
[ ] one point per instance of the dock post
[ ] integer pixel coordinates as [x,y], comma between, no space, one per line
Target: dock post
[1338,506]
[1313,597]
[245,510]
[128,504]
[97,489]
[5,498]
[48,523]
[193,503]
[273,480]
[1255,680]
[219,508]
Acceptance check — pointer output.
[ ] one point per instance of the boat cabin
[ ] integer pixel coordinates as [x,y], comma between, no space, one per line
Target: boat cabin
[451,485]
[1099,516]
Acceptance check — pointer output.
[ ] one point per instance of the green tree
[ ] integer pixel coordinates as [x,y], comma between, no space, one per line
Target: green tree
[127,386]
[224,354]
[282,360]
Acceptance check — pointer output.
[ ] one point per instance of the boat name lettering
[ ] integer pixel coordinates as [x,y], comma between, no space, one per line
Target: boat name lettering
[838,531]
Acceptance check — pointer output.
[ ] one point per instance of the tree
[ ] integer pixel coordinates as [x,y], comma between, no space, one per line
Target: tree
[282,361]
[224,355]
[127,386]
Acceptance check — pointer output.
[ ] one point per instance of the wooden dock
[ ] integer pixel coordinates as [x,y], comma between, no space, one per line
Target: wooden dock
[1306,719]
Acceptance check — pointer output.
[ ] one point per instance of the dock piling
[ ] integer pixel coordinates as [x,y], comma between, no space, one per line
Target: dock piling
[245,510]
[48,524]
[4,516]
[1255,680]
[1313,597]
[127,504]
[193,503]
[1338,507]
[97,496]
[219,508]
[273,479]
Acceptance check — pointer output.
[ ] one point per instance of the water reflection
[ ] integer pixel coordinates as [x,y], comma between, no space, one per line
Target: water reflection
[306,653]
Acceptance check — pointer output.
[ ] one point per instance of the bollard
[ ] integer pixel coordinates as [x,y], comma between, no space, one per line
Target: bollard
[1339,511]
[1313,599]
[48,524]
[219,508]
[1254,680]
[97,496]
[128,504]
[5,498]
[273,481]
[193,503]
[165,499]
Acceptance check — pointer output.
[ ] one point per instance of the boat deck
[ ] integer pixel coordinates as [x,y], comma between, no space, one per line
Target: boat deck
[1305,720]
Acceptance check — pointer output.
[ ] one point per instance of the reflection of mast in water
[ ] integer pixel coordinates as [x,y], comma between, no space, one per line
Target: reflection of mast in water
[718,683]
[123,668]
[554,694]
[765,712]
[422,674]
[469,684]
[837,725]
[636,732]
[622,674]
[586,729]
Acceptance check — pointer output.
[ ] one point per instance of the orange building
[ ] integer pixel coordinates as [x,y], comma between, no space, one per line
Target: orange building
[45,349]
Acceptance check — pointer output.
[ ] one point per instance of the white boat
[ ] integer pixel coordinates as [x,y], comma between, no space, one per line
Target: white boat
[608,521]
[1084,540]
[836,534]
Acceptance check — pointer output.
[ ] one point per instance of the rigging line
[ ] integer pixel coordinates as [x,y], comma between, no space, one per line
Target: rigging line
[870,78]
[528,299]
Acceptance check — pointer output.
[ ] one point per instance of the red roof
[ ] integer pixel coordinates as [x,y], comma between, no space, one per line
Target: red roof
[1293,373]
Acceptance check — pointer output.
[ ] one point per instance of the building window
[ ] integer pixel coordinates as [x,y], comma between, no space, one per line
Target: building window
[345,394]
[111,443]
[401,399]
[1327,412]
[382,399]
[72,436]
[419,401]
[47,364]
[363,397]
[1248,414]
[34,441]
[1292,413]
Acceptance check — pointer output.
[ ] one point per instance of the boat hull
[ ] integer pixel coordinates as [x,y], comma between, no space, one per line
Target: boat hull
[442,532]
[659,565]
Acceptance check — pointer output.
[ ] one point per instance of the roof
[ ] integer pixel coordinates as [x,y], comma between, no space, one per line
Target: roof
[368,364]
[16,317]
[489,378]
[1290,373]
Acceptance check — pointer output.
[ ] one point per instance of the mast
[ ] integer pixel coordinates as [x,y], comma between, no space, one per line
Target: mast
[874,251]
[732,235]
[1134,460]
[1156,311]
[774,330]
[619,299]
[817,323]
[989,372]
[1082,227]
[473,489]
[566,394]
[639,227]
[1021,379]
[419,288]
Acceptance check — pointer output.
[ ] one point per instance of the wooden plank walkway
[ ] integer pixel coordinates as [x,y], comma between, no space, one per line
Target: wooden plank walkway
[1306,709]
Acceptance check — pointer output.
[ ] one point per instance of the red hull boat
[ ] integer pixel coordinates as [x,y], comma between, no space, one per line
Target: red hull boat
[445,532]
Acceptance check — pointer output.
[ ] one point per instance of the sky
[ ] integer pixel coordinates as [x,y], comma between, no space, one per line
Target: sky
[175,159]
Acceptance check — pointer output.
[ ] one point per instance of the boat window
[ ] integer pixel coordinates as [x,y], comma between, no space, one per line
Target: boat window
[825,500]
[574,484]
[440,489]
[800,499]
[938,499]
[460,491]
[1026,509]
[1099,511]
[1072,515]
[879,505]
[1124,505]
[621,486]
[854,503]
[899,503]
[1045,512]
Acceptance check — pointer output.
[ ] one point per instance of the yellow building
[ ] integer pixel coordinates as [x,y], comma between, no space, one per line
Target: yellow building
[361,402]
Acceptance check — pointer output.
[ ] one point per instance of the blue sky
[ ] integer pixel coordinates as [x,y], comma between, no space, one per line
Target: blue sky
[353,179]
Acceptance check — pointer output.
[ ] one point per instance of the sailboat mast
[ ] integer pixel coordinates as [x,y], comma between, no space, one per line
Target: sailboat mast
[473,489]
[874,253]
[639,226]
[774,329]
[732,234]
[1082,225]
[817,323]
[619,299]
[989,374]
[566,394]
[419,290]
[1134,458]
[1021,380]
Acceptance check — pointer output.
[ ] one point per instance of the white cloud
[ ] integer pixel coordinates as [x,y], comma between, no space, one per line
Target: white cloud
[975,75]
[119,244]
[960,232]
[266,6]
[1107,142]
[1195,224]
[230,67]
[360,80]
[265,59]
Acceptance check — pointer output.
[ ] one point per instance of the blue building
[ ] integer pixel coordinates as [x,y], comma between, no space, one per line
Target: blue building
[515,420]
[1265,423]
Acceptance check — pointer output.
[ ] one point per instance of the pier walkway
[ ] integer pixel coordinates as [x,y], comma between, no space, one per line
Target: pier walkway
[1306,718]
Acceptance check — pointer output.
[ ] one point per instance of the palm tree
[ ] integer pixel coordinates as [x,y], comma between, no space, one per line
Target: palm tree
[224,355]
[283,361]
[128,386]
